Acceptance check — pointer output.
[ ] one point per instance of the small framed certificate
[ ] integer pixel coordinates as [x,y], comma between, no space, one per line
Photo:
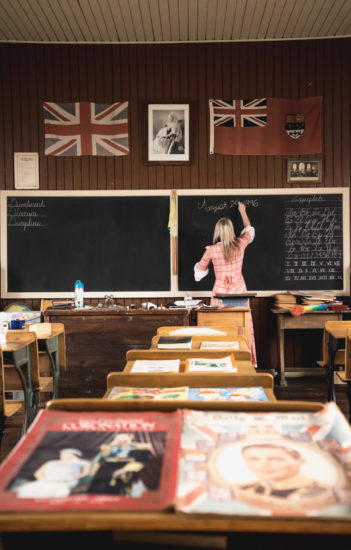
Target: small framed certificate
[26,170]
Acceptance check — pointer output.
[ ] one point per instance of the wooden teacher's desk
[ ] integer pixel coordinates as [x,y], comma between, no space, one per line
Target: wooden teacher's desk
[309,320]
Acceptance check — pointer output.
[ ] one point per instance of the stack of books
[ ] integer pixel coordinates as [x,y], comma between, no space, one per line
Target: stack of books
[284,301]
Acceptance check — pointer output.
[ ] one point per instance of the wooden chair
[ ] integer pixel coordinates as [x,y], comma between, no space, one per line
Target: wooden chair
[52,356]
[21,373]
[345,375]
[333,355]
[7,407]
[238,318]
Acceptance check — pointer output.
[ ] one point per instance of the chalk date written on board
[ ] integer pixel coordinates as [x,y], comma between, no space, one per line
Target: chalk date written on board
[225,205]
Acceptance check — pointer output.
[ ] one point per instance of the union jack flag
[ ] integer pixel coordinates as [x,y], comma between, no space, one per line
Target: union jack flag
[84,128]
[239,112]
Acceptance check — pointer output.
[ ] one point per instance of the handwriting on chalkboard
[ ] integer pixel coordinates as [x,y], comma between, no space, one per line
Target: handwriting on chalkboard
[313,239]
[26,213]
[224,205]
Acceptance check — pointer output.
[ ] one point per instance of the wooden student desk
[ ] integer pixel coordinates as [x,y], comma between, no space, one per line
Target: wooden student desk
[228,332]
[236,317]
[309,320]
[21,350]
[103,521]
[240,353]
[192,380]
[51,344]
[244,366]
[333,335]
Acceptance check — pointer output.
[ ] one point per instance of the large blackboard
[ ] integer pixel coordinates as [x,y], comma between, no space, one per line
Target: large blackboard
[298,243]
[111,243]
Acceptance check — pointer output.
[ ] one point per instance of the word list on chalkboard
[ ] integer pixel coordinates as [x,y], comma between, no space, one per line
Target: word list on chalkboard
[301,240]
[26,213]
[313,239]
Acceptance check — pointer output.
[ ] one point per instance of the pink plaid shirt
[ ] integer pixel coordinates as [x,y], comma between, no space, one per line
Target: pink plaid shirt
[229,278]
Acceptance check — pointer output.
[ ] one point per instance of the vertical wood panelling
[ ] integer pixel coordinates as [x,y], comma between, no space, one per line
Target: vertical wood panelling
[173,73]
[345,95]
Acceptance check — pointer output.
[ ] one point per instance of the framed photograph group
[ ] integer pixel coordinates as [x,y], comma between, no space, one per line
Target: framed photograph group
[299,170]
[168,131]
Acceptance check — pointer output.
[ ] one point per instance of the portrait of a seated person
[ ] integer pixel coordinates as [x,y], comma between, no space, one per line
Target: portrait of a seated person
[169,139]
[125,466]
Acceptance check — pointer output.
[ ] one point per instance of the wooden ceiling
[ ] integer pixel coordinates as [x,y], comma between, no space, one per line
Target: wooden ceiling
[166,21]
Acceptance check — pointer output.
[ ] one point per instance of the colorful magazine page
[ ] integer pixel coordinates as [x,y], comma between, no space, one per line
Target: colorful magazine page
[274,463]
[223,364]
[179,393]
[227,394]
[155,365]
[234,344]
[93,461]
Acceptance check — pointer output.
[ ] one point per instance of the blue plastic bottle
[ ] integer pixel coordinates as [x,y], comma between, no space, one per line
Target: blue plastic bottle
[78,294]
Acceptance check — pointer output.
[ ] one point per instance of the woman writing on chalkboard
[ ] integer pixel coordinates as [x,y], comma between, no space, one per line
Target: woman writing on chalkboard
[227,254]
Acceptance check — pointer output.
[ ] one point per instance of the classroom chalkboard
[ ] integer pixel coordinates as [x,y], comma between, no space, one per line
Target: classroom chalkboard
[112,243]
[299,242]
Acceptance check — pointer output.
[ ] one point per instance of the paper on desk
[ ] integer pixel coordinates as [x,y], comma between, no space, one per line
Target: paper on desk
[195,330]
[191,303]
[154,365]
[233,344]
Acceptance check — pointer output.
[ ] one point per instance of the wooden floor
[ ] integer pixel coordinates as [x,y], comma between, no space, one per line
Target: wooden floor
[302,388]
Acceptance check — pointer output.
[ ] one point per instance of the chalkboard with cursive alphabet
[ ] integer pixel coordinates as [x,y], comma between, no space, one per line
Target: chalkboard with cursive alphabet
[114,243]
[298,243]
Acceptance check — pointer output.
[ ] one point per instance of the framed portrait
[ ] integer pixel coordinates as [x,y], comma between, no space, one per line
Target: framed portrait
[304,170]
[168,132]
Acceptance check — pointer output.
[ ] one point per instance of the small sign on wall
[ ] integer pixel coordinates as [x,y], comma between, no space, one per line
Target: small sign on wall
[26,170]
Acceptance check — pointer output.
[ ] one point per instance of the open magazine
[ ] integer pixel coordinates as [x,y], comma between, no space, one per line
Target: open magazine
[281,464]
[94,460]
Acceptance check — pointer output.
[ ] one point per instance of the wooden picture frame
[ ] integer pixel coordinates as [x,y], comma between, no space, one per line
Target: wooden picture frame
[299,170]
[168,133]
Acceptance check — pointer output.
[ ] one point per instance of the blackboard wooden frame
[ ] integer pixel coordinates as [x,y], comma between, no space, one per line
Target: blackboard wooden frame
[174,288]
[343,191]
[40,195]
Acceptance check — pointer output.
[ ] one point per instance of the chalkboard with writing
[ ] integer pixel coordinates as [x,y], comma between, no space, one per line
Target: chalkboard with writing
[115,243]
[298,243]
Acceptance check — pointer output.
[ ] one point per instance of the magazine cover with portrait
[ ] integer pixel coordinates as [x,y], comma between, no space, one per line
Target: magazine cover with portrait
[280,464]
[91,460]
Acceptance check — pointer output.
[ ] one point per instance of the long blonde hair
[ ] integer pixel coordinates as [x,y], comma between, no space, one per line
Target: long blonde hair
[224,233]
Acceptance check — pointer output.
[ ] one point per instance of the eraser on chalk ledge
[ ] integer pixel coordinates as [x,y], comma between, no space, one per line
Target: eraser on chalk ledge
[148,305]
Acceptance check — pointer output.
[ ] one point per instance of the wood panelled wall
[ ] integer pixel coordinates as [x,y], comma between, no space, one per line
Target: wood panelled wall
[32,74]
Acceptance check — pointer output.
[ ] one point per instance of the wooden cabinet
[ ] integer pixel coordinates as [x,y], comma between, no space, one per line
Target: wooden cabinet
[97,341]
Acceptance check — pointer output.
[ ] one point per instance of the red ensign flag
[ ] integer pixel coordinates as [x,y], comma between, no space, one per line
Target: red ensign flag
[265,126]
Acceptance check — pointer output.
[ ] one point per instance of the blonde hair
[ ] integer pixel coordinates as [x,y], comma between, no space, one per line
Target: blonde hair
[224,233]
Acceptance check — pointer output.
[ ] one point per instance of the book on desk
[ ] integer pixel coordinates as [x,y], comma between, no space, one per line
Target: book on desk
[235,300]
